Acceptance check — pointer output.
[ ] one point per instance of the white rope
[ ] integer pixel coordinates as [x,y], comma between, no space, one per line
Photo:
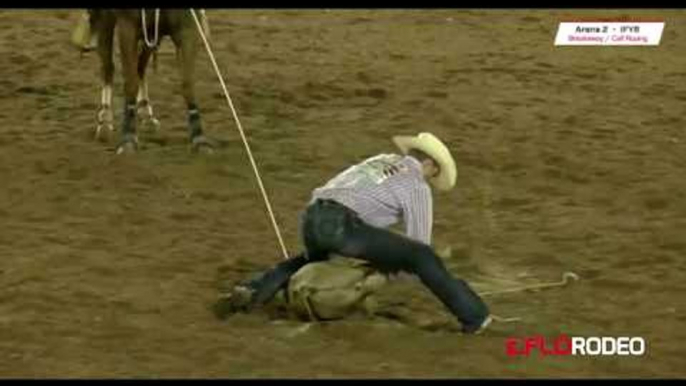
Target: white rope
[566,277]
[149,43]
[501,319]
[240,130]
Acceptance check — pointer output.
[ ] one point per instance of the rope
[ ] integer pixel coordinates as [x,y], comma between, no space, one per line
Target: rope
[240,130]
[500,319]
[566,277]
[149,43]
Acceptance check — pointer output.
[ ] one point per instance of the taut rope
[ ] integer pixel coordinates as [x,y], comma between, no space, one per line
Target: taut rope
[240,130]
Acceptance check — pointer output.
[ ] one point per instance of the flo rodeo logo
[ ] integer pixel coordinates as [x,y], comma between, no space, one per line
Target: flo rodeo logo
[564,345]
[610,32]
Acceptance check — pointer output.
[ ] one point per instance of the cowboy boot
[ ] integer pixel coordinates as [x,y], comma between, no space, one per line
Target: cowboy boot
[478,328]
[240,299]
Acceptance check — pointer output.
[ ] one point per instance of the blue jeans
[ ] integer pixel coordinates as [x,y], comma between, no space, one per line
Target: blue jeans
[329,227]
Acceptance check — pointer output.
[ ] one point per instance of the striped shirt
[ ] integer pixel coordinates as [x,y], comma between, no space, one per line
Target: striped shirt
[384,190]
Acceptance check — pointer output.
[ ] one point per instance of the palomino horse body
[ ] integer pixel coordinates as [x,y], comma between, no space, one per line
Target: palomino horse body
[135,52]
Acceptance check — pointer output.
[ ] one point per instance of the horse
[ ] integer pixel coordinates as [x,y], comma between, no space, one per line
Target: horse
[140,32]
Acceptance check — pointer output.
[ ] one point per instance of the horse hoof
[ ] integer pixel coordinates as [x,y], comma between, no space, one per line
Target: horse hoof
[127,146]
[205,149]
[151,122]
[155,123]
[201,145]
[102,131]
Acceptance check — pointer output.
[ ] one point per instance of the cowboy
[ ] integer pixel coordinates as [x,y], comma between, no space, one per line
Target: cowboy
[350,214]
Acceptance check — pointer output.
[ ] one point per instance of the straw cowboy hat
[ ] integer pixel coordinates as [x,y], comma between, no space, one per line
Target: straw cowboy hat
[432,146]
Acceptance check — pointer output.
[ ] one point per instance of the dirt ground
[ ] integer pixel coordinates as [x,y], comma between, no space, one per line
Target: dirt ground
[570,159]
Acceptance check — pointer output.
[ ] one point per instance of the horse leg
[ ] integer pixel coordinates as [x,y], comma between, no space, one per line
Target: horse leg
[144,107]
[128,47]
[187,43]
[105,116]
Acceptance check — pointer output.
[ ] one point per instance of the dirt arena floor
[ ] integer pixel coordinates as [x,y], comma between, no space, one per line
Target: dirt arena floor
[570,159]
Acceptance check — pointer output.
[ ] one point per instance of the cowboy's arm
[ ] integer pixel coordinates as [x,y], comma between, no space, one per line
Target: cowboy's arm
[418,210]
